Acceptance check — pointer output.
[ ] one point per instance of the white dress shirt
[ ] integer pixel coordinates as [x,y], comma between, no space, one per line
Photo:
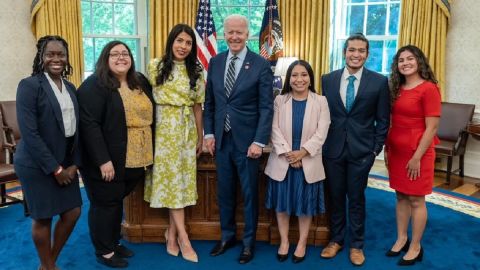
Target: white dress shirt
[344,83]
[238,63]
[66,105]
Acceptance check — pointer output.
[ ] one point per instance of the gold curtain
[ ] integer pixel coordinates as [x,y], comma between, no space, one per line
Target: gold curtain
[424,24]
[306,30]
[63,18]
[163,15]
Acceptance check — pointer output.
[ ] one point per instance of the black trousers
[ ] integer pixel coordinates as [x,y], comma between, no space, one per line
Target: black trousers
[347,178]
[106,208]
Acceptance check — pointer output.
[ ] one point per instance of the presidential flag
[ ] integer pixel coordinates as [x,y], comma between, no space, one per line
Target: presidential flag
[205,34]
[271,35]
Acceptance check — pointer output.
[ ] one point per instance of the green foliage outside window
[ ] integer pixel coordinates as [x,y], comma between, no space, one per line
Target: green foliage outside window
[378,20]
[252,9]
[104,21]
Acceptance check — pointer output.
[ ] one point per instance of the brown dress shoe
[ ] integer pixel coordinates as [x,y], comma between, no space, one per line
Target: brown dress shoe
[330,250]
[356,256]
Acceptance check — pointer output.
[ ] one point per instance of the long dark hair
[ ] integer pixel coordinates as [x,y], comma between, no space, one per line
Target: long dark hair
[105,75]
[165,66]
[287,88]
[38,67]
[424,70]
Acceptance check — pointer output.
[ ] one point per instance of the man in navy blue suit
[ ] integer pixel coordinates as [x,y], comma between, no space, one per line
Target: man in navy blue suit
[359,105]
[237,121]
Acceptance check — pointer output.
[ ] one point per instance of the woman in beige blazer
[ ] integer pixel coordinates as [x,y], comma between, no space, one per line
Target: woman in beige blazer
[300,125]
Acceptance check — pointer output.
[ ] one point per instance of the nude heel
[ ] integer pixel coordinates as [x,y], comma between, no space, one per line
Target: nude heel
[170,251]
[189,257]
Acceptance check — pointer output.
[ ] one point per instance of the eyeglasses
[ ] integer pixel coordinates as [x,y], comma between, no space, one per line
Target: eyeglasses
[116,55]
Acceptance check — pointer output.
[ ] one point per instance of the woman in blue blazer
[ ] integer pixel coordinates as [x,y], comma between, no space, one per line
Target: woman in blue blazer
[48,156]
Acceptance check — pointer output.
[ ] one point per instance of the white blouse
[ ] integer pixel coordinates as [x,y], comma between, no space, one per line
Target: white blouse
[66,105]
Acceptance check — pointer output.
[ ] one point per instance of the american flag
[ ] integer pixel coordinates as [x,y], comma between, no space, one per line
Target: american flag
[205,33]
[271,35]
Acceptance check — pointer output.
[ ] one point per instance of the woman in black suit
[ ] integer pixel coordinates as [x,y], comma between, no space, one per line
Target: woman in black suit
[47,156]
[116,117]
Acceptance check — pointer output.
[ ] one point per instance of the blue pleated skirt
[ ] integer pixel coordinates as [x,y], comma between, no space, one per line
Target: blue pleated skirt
[295,196]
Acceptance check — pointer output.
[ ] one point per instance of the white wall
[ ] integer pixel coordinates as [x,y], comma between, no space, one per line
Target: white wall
[463,69]
[17,48]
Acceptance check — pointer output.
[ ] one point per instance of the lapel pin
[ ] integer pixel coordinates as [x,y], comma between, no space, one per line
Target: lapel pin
[247,65]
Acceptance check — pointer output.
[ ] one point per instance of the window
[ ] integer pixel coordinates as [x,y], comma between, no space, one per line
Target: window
[378,20]
[107,20]
[252,9]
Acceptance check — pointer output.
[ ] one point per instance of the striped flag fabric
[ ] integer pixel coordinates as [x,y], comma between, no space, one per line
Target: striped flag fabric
[271,35]
[205,34]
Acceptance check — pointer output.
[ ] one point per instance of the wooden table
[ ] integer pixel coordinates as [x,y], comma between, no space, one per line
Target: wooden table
[145,224]
[474,130]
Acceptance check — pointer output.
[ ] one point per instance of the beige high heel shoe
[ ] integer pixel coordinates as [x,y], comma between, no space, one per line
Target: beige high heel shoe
[189,257]
[170,251]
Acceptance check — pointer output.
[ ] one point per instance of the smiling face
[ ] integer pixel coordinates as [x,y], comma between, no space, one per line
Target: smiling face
[54,59]
[407,63]
[119,61]
[182,46]
[300,80]
[236,34]
[355,55]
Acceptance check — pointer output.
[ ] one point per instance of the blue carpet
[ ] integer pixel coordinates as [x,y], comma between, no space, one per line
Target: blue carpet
[451,241]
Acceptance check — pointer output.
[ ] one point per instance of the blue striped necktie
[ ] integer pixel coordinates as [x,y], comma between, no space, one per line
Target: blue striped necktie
[350,97]
[229,82]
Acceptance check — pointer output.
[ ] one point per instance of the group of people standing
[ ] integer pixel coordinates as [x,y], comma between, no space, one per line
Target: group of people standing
[121,128]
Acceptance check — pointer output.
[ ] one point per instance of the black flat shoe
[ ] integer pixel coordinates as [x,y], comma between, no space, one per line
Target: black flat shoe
[222,246]
[403,262]
[123,251]
[246,255]
[282,257]
[392,253]
[296,259]
[115,261]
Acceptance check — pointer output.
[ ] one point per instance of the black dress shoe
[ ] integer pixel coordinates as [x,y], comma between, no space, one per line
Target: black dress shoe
[246,255]
[123,251]
[282,257]
[403,262]
[391,253]
[296,259]
[115,261]
[222,246]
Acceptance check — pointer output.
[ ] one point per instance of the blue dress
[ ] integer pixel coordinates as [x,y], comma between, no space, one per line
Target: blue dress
[294,195]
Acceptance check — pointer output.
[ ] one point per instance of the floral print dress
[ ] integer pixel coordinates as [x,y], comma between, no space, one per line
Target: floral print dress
[172,182]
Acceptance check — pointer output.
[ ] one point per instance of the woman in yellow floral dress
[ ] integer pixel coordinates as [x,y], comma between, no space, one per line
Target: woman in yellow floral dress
[178,90]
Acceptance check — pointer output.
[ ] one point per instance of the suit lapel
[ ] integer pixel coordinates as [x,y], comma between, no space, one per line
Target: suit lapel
[307,119]
[288,118]
[246,66]
[218,75]
[53,101]
[337,79]
[363,86]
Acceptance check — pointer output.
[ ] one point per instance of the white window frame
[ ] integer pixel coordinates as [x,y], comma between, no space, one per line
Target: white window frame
[141,24]
[339,30]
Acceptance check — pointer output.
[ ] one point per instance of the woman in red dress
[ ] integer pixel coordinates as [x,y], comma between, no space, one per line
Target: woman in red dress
[410,152]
